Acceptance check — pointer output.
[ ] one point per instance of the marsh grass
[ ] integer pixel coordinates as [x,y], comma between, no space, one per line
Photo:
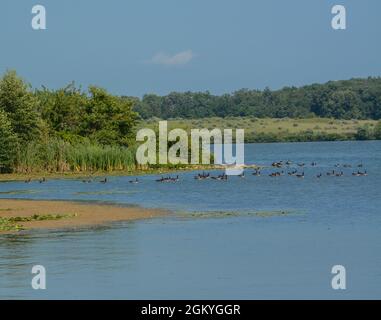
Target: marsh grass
[16,192]
[231,214]
[112,192]
[12,223]
[59,156]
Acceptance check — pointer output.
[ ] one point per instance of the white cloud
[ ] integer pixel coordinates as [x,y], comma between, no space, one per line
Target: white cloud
[180,58]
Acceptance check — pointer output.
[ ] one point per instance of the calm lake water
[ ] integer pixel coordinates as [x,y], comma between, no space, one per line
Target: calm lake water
[329,221]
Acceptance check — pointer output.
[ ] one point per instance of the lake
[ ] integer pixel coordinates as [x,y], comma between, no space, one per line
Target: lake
[225,240]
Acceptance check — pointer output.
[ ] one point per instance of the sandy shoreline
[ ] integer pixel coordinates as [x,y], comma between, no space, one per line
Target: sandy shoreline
[74,214]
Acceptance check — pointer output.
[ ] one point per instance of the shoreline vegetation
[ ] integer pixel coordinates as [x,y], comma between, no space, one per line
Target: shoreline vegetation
[70,131]
[18,215]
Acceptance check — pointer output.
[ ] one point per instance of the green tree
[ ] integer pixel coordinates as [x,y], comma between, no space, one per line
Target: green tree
[108,119]
[21,106]
[8,144]
[62,109]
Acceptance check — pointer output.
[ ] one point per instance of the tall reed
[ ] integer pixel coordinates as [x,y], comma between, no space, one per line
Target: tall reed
[56,155]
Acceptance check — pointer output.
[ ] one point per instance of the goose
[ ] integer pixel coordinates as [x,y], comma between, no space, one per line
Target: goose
[277,164]
[222,177]
[136,181]
[202,176]
[300,175]
[104,180]
[256,172]
[28,180]
[319,175]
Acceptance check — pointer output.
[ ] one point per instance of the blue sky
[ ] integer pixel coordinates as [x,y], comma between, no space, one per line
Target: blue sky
[133,47]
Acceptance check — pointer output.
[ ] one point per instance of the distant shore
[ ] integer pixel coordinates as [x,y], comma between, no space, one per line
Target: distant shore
[17,215]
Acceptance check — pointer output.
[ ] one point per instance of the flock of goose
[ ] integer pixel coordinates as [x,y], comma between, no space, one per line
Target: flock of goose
[290,172]
[257,172]
[296,173]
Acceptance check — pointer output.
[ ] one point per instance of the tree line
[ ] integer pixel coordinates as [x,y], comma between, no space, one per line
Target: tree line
[346,99]
[45,128]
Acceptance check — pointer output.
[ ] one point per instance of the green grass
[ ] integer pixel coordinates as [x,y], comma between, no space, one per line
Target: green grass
[269,130]
[11,223]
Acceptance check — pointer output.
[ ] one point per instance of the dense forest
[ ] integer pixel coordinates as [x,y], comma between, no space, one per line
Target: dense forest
[347,99]
[75,130]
